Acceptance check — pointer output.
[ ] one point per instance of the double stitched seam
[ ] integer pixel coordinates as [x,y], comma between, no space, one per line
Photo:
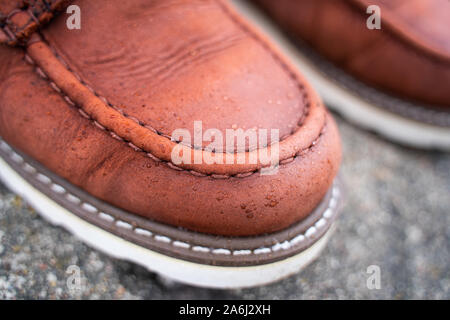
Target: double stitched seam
[140,123]
[69,101]
[295,240]
[304,95]
[149,127]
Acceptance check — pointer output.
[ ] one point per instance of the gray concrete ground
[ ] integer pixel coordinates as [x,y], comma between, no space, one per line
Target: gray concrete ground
[396,217]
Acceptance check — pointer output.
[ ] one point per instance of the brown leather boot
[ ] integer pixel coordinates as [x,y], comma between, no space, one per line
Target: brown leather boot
[97,128]
[394,80]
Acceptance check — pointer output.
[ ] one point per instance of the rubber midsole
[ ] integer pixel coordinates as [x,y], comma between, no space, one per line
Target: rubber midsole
[172,241]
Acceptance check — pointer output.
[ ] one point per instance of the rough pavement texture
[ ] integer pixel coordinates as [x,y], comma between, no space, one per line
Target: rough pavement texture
[396,217]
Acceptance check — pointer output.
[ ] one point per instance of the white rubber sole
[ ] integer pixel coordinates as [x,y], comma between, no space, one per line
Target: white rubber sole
[172,268]
[350,105]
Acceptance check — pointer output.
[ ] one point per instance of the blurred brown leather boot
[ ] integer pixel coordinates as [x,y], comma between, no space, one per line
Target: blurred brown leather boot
[92,119]
[394,80]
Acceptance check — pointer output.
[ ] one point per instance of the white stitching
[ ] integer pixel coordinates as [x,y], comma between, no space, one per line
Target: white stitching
[201,249]
[29,169]
[89,207]
[262,250]
[242,252]
[161,238]
[43,178]
[73,199]
[16,158]
[57,188]
[106,217]
[332,203]
[335,192]
[221,251]
[310,232]
[320,224]
[181,244]
[328,213]
[124,225]
[281,246]
[5,147]
[298,239]
[143,232]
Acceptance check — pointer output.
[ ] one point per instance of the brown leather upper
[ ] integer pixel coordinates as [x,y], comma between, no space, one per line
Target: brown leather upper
[408,57]
[98,106]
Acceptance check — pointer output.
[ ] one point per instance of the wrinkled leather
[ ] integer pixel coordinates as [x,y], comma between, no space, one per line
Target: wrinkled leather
[168,63]
[408,57]
[147,71]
